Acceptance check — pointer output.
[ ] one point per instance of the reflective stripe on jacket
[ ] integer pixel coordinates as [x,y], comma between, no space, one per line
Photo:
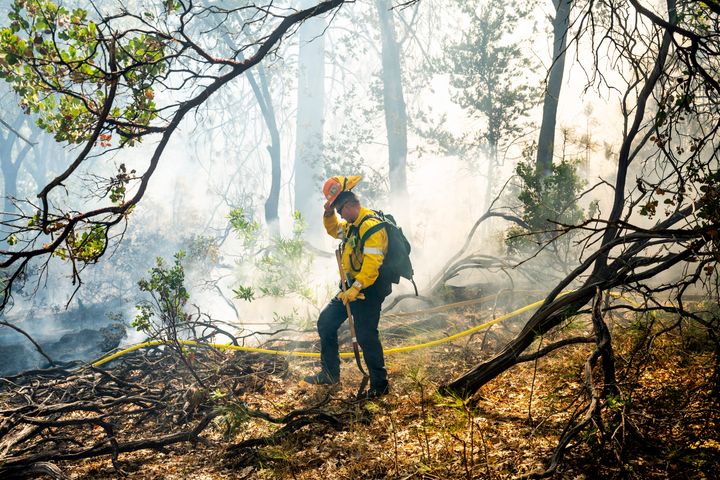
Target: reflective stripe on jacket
[364,266]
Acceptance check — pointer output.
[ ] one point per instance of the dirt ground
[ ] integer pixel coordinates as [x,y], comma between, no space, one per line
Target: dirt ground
[664,425]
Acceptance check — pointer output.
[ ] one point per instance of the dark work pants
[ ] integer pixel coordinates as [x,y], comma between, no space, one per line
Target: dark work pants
[366,314]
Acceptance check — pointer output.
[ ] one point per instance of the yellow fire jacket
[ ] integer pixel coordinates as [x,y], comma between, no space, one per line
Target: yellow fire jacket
[363,267]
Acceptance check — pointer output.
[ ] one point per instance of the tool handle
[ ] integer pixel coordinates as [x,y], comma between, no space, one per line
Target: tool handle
[351,323]
[343,287]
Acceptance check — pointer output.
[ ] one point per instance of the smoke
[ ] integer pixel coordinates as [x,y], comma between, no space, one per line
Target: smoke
[218,161]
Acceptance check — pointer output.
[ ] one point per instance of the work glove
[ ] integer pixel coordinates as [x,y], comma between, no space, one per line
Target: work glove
[350,295]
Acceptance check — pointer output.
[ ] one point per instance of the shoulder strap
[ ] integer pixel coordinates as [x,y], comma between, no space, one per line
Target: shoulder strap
[356,230]
[368,217]
[370,231]
[364,237]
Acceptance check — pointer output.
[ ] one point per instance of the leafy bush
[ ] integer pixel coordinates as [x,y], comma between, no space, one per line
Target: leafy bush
[163,315]
[276,266]
[545,201]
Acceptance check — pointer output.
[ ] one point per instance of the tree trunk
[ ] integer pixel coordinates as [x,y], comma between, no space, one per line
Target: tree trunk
[6,143]
[491,155]
[604,276]
[310,120]
[716,371]
[546,140]
[262,94]
[393,101]
[604,348]
[261,91]
[9,164]
[10,171]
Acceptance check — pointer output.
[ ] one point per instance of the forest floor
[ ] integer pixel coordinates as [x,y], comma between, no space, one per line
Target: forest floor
[665,425]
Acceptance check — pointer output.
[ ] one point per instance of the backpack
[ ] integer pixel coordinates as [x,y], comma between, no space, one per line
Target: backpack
[397,260]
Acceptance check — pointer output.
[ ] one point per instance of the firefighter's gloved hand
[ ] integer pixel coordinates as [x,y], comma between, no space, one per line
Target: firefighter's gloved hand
[350,295]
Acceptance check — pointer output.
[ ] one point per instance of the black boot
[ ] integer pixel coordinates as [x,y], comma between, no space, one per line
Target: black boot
[322,378]
[377,391]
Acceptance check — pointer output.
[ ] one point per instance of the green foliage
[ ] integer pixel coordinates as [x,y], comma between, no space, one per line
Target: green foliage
[144,319]
[117,187]
[171,5]
[283,267]
[545,199]
[486,68]
[550,197]
[84,244]
[164,313]
[418,375]
[617,402]
[89,245]
[243,226]
[458,403]
[294,319]
[59,61]
[273,266]
[230,416]
[244,293]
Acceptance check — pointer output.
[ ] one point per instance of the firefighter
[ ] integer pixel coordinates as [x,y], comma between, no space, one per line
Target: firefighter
[365,289]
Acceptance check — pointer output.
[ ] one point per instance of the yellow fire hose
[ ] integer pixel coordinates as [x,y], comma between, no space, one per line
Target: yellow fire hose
[389,351]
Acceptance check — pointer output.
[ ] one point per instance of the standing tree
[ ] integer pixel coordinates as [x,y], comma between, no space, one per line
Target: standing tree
[262,94]
[261,90]
[371,96]
[546,138]
[309,121]
[486,68]
[14,148]
[393,101]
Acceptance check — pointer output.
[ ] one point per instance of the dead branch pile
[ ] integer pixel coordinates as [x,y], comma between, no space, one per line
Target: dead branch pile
[146,400]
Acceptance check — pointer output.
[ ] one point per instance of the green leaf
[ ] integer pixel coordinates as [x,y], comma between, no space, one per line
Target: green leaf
[244,293]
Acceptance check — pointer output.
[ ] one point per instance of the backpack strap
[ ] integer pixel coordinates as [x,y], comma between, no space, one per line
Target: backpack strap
[377,215]
[368,217]
[370,231]
[355,230]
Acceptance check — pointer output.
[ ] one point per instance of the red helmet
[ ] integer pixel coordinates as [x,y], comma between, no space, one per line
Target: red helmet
[334,186]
